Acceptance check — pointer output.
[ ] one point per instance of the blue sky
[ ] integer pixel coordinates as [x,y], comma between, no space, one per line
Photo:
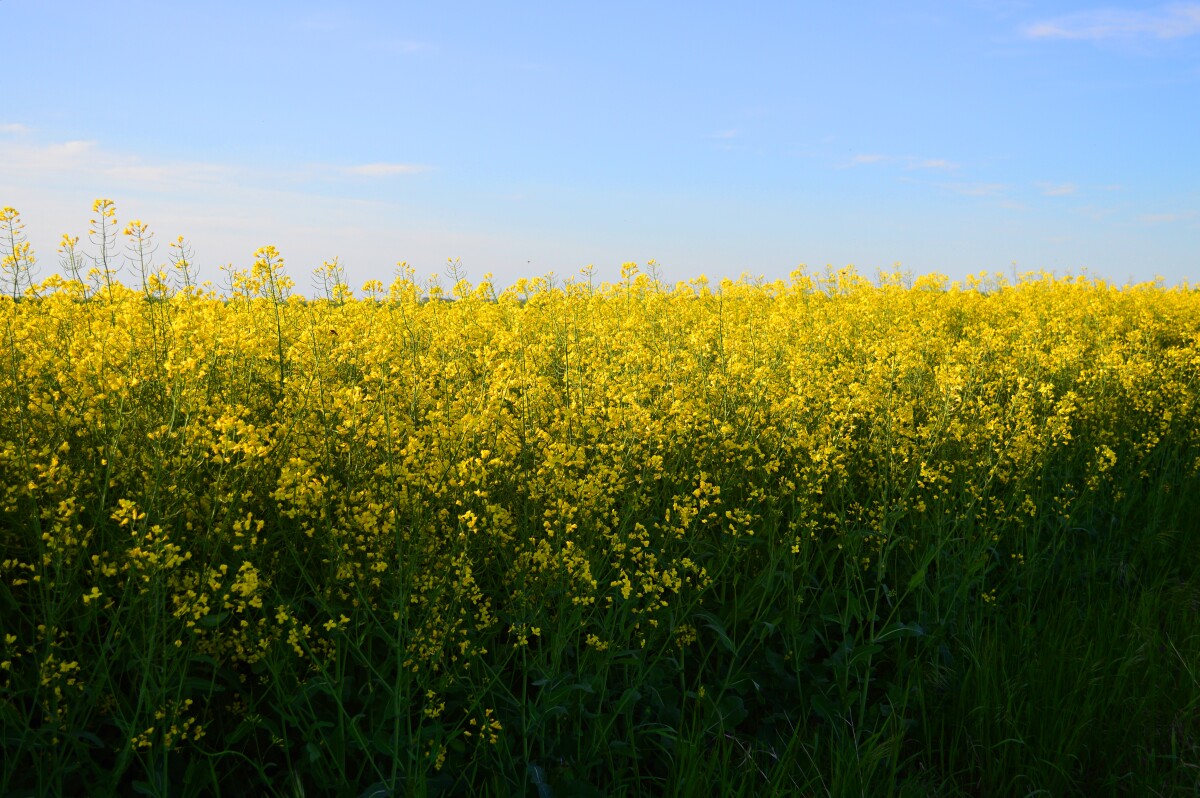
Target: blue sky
[716,138]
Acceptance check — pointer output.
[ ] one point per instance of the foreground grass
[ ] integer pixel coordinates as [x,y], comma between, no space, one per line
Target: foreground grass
[823,537]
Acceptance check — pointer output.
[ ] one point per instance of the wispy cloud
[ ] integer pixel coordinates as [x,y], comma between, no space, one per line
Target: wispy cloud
[976,189]
[57,157]
[1057,189]
[1167,218]
[726,135]
[82,158]
[13,128]
[1166,22]
[908,161]
[933,163]
[386,169]
[35,162]
[1096,213]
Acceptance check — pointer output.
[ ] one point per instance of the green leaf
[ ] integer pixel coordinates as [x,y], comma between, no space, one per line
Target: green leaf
[379,789]
[714,623]
[537,775]
[825,709]
[628,698]
[733,710]
[864,653]
[90,739]
[911,629]
[193,685]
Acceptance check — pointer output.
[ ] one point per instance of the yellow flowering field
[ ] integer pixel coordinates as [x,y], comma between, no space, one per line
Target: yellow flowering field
[435,537]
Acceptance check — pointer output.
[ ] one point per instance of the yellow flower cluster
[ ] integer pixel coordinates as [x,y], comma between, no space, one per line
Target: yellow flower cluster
[480,467]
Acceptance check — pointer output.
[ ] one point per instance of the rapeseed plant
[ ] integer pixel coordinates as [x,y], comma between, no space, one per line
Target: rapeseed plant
[585,530]
[16,254]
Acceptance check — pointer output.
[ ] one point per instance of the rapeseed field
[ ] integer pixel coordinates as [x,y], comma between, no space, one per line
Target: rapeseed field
[823,535]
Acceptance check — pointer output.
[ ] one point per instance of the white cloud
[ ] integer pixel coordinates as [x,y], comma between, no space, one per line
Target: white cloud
[975,189]
[167,174]
[77,162]
[1057,189]
[1166,218]
[725,135]
[59,157]
[386,169]
[1168,22]
[909,161]
[932,163]
[13,128]
[1096,213]
[80,160]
